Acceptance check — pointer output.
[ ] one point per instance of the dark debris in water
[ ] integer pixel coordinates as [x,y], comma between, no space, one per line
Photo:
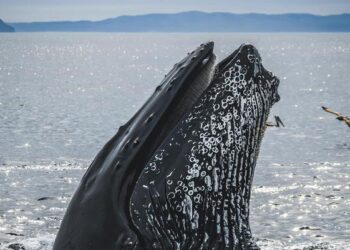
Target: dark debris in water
[322,246]
[45,198]
[342,146]
[16,246]
[309,228]
[14,234]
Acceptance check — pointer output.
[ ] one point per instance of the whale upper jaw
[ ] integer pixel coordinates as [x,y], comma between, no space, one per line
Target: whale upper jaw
[105,189]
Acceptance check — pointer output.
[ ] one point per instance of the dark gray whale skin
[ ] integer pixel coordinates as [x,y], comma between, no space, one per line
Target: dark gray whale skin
[178,175]
[194,192]
[98,215]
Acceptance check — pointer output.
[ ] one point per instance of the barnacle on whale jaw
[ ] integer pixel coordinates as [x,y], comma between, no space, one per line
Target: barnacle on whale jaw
[248,56]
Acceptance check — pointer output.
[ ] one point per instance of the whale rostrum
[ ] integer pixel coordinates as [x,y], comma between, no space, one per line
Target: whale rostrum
[178,175]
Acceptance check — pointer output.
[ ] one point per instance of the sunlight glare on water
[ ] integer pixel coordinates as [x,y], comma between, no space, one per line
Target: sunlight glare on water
[63,95]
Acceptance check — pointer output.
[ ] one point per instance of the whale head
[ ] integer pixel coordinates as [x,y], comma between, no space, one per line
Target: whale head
[178,175]
[194,192]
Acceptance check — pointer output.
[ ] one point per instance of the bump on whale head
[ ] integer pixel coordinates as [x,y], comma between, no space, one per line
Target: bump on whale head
[249,61]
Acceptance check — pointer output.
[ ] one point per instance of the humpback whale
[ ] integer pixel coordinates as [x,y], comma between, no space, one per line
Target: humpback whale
[178,175]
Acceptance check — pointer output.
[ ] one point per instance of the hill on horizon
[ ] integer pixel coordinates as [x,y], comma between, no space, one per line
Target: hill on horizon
[4,27]
[195,21]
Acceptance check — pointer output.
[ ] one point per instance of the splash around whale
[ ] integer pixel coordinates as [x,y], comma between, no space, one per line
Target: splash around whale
[178,175]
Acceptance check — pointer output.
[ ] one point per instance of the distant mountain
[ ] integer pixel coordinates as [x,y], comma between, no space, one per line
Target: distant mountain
[200,22]
[5,27]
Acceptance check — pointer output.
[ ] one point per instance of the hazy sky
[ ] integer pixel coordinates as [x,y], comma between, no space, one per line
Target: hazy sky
[43,10]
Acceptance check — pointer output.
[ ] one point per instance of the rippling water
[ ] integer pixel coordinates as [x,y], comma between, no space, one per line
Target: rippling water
[63,95]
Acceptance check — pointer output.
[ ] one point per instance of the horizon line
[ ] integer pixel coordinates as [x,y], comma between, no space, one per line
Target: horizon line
[181,12]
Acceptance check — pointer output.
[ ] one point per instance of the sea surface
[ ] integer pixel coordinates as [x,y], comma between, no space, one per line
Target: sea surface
[63,95]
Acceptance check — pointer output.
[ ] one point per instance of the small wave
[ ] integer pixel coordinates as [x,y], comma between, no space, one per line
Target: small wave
[266,244]
[42,242]
[45,242]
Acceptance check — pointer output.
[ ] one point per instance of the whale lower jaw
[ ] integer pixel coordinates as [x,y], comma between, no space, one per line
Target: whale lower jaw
[194,191]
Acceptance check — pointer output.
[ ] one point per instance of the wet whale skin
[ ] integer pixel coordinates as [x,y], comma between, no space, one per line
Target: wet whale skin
[178,175]
[194,192]
[98,215]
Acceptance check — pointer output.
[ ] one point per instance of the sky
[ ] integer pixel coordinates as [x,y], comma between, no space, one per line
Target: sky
[49,10]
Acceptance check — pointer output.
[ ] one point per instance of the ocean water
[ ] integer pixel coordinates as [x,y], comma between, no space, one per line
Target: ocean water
[63,95]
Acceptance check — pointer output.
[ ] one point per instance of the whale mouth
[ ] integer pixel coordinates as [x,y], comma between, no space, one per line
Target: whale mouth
[202,75]
[181,88]
[198,78]
[195,83]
